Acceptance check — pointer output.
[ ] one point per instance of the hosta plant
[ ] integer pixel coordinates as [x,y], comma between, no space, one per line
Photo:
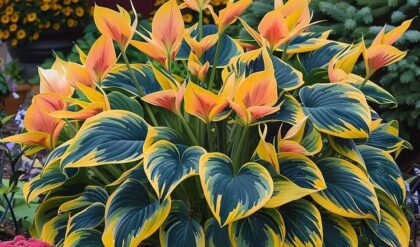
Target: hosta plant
[266,142]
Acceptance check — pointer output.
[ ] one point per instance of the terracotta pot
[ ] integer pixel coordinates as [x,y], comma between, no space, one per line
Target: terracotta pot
[35,53]
[11,105]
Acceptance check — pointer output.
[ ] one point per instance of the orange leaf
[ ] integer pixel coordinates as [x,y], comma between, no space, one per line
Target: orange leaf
[101,57]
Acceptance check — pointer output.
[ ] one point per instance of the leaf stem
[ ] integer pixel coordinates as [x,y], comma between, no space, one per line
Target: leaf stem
[238,151]
[138,87]
[215,60]
[12,212]
[200,25]
[210,137]
[188,129]
[284,54]
[364,82]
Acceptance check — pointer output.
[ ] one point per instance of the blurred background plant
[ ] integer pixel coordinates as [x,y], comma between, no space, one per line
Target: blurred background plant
[23,21]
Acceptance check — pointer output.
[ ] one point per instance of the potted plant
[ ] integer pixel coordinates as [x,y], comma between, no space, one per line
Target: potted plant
[277,144]
[34,28]
[13,88]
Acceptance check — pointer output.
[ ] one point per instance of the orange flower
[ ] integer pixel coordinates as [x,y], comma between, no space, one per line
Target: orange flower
[43,130]
[280,25]
[167,34]
[115,24]
[196,5]
[54,80]
[230,13]
[342,64]
[381,53]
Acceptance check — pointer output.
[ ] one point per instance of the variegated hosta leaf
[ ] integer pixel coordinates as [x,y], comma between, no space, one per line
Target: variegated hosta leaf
[229,47]
[287,77]
[84,237]
[136,173]
[216,236]
[119,101]
[290,111]
[349,192]
[309,138]
[320,57]
[156,134]
[122,80]
[88,218]
[299,176]
[303,224]
[393,229]
[338,231]
[131,215]
[263,228]
[91,194]
[386,137]
[376,94]
[46,211]
[166,166]
[54,230]
[347,148]
[306,42]
[337,109]
[110,137]
[384,172]
[51,176]
[233,195]
[180,229]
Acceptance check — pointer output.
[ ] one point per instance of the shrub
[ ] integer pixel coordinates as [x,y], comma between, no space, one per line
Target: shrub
[268,143]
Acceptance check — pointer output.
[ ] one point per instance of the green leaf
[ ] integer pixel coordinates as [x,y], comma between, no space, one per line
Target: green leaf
[216,236]
[290,111]
[376,94]
[54,230]
[263,228]
[319,58]
[393,229]
[386,137]
[91,194]
[180,229]
[311,139]
[132,215]
[305,42]
[88,218]
[136,173]
[233,195]
[337,109]
[156,134]
[299,176]
[166,166]
[119,101]
[85,238]
[287,77]
[347,148]
[384,173]
[111,137]
[122,81]
[349,192]
[338,231]
[303,224]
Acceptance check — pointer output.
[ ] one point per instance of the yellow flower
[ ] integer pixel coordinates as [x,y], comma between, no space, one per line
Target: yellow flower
[67,2]
[79,11]
[187,18]
[56,26]
[6,34]
[15,17]
[75,1]
[67,11]
[45,7]
[9,10]
[71,23]
[5,19]
[21,34]
[35,36]
[47,25]
[31,17]
[14,42]
[13,27]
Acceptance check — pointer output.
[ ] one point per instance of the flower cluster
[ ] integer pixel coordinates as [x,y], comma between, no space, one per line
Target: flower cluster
[22,21]
[21,241]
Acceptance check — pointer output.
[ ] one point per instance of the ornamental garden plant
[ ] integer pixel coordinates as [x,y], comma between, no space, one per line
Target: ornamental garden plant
[271,141]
